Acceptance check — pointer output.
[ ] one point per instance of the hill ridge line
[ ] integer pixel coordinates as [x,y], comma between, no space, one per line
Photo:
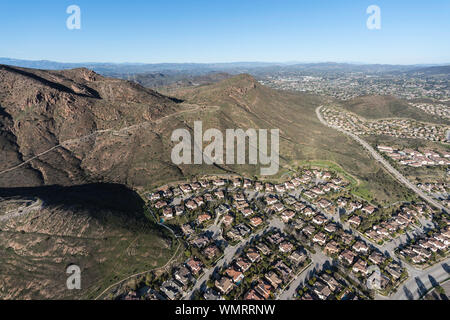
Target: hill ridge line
[98,132]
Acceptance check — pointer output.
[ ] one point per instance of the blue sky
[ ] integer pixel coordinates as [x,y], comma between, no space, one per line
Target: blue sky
[153,31]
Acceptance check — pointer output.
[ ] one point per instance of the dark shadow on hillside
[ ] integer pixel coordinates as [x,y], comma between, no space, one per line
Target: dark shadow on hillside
[176,100]
[92,93]
[4,114]
[104,195]
[107,203]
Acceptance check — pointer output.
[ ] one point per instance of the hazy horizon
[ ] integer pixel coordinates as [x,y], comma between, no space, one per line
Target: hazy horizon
[226,62]
[410,33]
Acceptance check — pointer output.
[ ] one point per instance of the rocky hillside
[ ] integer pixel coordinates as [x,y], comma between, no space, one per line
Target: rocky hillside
[60,128]
[169,81]
[127,128]
[40,110]
[101,228]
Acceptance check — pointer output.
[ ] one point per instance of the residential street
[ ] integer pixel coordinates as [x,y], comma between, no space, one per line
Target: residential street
[384,162]
[421,281]
[229,255]
[417,283]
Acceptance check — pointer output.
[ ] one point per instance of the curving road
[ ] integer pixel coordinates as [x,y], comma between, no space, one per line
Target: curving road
[383,161]
[318,261]
[421,281]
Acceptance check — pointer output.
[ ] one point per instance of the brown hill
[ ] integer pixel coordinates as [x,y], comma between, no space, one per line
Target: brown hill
[168,82]
[382,107]
[100,228]
[244,103]
[42,109]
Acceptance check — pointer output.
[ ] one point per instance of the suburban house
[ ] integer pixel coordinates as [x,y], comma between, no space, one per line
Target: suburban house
[273,279]
[224,285]
[235,275]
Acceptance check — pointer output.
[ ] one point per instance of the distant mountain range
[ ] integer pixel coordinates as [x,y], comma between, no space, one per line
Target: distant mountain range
[435,70]
[193,69]
[133,68]
[172,80]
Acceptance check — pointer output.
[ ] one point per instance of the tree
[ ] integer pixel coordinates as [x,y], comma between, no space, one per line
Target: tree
[440,290]
[149,279]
